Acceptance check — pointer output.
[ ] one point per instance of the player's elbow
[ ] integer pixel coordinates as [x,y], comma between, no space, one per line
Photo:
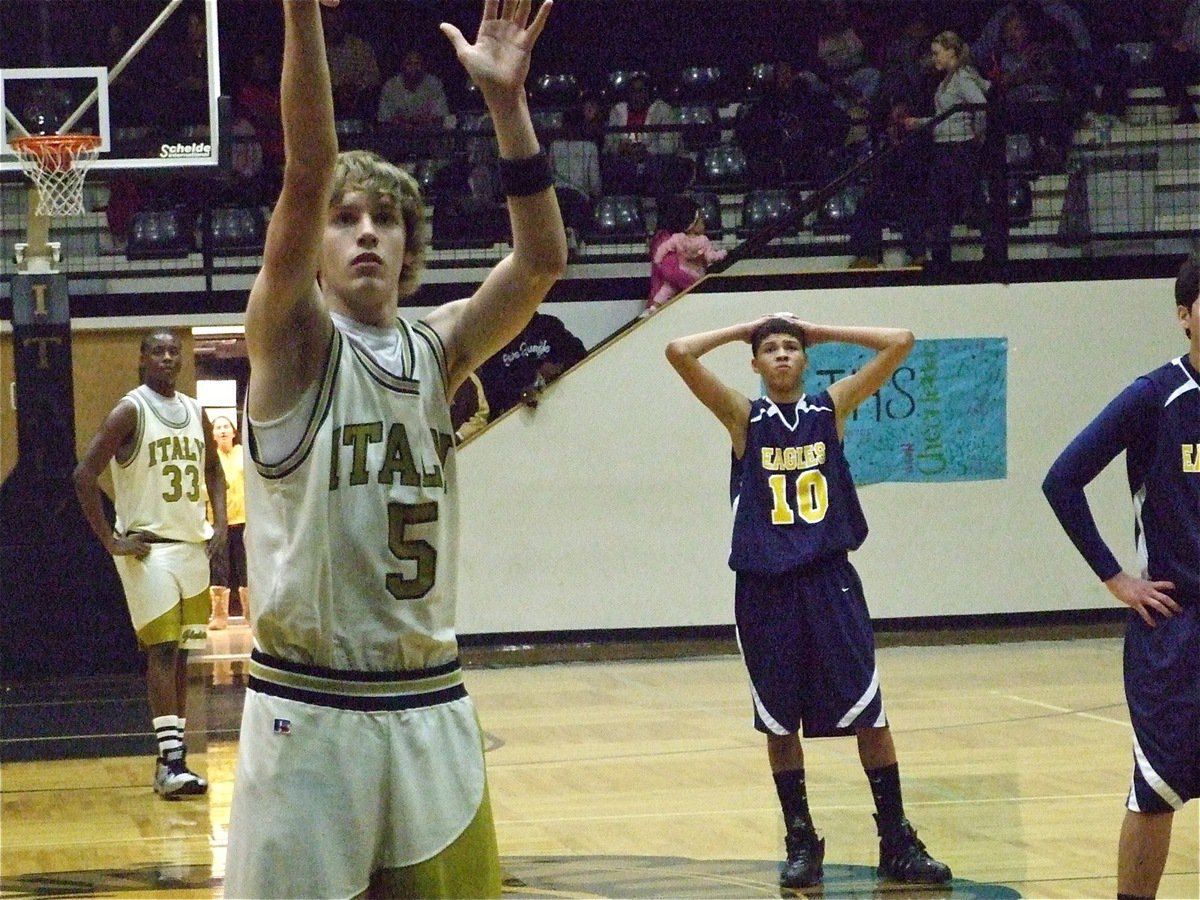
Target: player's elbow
[549,262]
[676,353]
[1055,487]
[82,477]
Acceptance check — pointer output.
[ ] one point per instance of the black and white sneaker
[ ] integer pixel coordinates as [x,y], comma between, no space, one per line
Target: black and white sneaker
[805,857]
[199,778]
[903,857]
[172,781]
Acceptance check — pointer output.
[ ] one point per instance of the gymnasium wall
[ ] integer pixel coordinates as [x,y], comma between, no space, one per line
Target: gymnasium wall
[607,506]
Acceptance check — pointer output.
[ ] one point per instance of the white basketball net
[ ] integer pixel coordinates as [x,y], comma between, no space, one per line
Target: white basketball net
[57,169]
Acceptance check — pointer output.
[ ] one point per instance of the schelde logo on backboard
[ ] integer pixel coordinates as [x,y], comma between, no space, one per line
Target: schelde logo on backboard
[184,151]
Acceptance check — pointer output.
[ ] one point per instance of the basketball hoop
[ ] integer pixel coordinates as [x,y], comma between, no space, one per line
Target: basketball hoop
[57,165]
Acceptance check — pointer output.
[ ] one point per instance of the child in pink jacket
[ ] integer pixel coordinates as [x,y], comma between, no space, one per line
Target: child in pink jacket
[680,253]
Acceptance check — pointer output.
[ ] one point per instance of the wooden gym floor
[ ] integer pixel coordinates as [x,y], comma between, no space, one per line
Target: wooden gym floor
[643,778]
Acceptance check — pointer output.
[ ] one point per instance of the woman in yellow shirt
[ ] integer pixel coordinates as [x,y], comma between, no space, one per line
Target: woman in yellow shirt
[229,568]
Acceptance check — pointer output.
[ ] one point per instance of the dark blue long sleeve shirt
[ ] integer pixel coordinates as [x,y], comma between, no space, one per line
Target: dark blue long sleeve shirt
[1156,422]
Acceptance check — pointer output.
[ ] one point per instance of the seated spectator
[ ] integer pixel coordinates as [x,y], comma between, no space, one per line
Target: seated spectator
[353,69]
[259,162]
[680,252]
[576,164]
[181,71]
[530,361]
[844,64]
[131,96]
[1115,22]
[1062,25]
[1031,88]
[413,103]
[643,162]
[469,411]
[1175,62]
[908,76]
[595,118]
[794,133]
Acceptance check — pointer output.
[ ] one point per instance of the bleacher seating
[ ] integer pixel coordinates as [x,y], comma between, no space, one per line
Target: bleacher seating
[1136,180]
[618,81]
[236,230]
[558,90]
[765,207]
[159,234]
[699,124]
[835,213]
[700,84]
[723,167]
[619,218]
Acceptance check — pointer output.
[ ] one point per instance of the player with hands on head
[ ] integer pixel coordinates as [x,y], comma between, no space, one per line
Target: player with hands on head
[360,760]
[159,448]
[802,620]
[1155,421]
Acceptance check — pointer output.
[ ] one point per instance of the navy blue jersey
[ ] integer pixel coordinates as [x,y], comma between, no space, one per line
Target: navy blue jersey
[1156,421]
[793,497]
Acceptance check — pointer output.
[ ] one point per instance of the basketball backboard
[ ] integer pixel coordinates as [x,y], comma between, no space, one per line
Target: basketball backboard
[142,74]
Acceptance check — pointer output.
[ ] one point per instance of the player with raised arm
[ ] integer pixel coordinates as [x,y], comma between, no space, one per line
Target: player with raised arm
[802,619]
[360,761]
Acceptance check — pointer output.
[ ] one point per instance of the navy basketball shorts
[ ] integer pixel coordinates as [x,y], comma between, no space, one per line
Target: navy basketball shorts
[1162,688]
[809,648]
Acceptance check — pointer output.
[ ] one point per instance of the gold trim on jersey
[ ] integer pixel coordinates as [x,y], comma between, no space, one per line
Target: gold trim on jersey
[321,408]
[139,430]
[400,384]
[355,690]
[434,340]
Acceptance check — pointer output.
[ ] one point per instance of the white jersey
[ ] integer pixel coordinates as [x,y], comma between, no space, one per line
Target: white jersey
[160,487]
[351,539]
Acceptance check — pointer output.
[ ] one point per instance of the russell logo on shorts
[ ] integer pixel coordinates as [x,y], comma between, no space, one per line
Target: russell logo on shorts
[283,726]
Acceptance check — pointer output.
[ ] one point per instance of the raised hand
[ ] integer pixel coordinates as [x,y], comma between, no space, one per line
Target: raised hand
[498,61]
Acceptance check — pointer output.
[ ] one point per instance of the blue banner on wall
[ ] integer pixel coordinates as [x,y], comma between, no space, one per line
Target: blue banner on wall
[941,417]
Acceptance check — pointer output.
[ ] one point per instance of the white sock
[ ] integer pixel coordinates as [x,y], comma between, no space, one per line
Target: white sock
[168,732]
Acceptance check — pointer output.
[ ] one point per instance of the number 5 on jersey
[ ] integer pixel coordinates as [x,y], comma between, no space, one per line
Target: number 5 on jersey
[419,551]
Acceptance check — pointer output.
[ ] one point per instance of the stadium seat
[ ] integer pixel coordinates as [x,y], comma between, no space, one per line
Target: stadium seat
[699,84]
[618,219]
[760,80]
[1019,200]
[547,123]
[159,234]
[835,213]
[722,167]
[699,126]
[560,90]
[618,82]
[236,230]
[764,208]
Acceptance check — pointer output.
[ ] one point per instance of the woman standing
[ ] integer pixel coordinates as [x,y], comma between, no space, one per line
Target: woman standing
[228,569]
[954,176]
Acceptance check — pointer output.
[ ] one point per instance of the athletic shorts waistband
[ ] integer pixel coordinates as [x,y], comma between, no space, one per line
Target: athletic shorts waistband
[354,690]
